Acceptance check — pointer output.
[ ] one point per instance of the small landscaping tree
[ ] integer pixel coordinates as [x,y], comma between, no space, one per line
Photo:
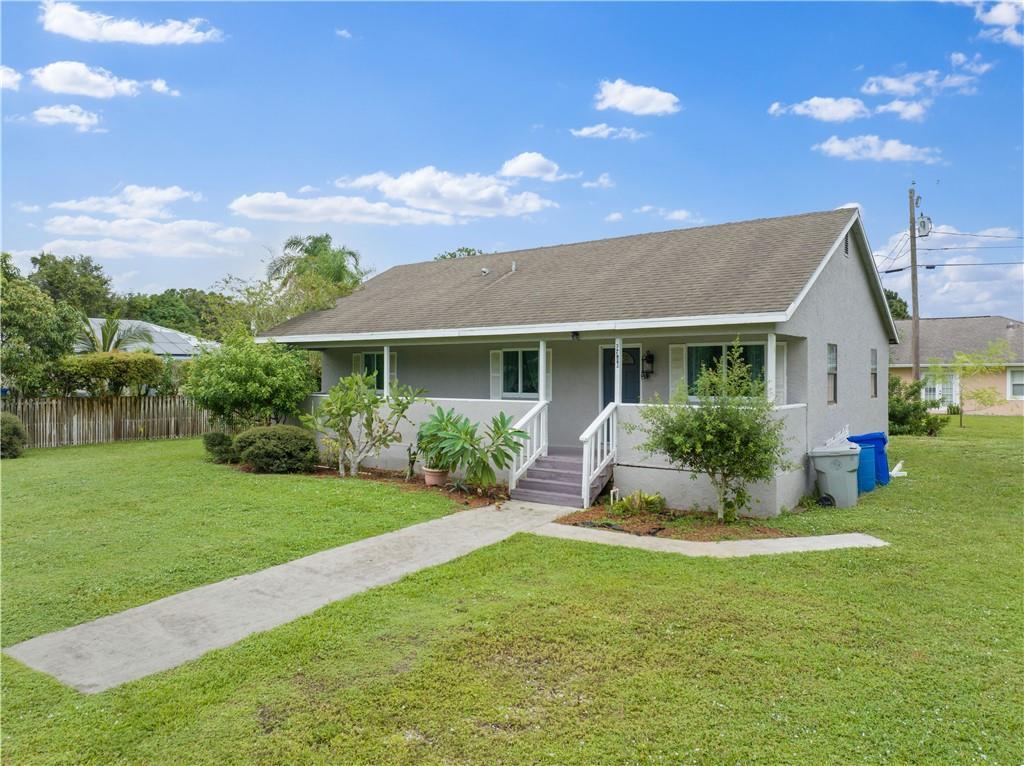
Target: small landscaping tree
[730,435]
[968,367]
[244,383]
[908,412]
[361,420]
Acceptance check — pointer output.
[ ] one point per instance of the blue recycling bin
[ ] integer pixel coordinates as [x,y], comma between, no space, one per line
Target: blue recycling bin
[878,441]
[866,469]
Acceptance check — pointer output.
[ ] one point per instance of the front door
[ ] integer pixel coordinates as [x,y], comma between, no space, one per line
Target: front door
[630,375]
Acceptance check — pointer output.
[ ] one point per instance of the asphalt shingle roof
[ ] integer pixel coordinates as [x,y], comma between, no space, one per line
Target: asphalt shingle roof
[941,337]
[733,268]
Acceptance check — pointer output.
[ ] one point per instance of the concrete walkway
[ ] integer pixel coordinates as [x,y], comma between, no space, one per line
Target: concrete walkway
[724,549]
[109,651]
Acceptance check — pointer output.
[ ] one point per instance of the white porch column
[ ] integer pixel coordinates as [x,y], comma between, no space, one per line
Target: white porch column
[618,371]
[387,372]
[542,371]
[769,367]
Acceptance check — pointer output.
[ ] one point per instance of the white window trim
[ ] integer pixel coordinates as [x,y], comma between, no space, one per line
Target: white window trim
[872,371]
[512,394]
[834,402]
[954,389]
[724,346]
[1009,383]
[600,370]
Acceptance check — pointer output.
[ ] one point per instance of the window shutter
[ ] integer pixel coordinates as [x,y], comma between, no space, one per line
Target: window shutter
[495,374]
[394,367]
[357,365]
[676,368]
[780,373]
[547,384]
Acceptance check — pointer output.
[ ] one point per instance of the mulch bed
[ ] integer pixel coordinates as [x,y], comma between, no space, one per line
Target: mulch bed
[698,526]
[416,484]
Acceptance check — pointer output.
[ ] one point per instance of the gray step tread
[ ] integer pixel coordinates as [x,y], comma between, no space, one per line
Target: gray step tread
[546,485]
[560,461]
[553,474]
[550,498]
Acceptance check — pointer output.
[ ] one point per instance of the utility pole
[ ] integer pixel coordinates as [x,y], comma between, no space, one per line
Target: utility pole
[915,341]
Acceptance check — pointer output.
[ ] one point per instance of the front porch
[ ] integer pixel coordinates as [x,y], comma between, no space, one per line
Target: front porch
[573,396]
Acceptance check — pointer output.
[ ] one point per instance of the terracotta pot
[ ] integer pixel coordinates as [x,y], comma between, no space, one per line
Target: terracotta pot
[434,477]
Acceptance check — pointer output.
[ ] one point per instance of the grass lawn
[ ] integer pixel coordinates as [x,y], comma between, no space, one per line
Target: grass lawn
[90,531]
[539,650]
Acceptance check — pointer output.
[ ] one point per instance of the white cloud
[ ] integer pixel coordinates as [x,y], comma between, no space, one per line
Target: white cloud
[68,19]
[906,110]
[1003,19]
[824,109]
[613,217]
[877,149]
[974,64]
[278,206]
[78,79]
[308,189]
[344,34]
[912,83]
[10,79]
[470,195]
[635,99]
[604,130]
[70,114]
[23,208]
[116,248]
[667,214]
[532,165]
[132,202]
[161,86]
[850,206]
[603,181]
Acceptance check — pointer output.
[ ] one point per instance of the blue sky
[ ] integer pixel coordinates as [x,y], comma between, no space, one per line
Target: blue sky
[174,150]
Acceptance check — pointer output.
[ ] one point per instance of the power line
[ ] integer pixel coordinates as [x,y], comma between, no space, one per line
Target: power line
[944,265]
[976,247]
[973,234]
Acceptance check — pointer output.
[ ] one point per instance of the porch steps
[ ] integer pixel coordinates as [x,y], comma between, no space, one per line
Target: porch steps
[554,479]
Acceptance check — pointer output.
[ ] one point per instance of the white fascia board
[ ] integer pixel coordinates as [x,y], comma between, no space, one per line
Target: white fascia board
[709,320]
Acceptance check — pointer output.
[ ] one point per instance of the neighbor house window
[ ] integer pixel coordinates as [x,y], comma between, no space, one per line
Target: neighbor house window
[373,364]
[874,373]
[1016,384]
[942,388]
[520,373]
[832,374]
[698,357]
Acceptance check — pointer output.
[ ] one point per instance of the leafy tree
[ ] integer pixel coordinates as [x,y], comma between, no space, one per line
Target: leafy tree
[731,436]
[113,335]
[244,383]
[459,252]
[967,366]
[77,280]
[168,309]
[35,333]
[359,420]
[897,306]
[316,256]
[908,411]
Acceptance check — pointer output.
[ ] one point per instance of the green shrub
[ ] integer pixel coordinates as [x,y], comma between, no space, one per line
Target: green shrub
[277,449]
[109,372]
[220,447]
[13,437]
[639,502]
[908,412]
[953,409]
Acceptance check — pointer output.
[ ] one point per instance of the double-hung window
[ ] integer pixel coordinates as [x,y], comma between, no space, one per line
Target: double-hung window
[832,373]
[874,373]
[373,364]
[1016,383]
[709,356]
[520,373]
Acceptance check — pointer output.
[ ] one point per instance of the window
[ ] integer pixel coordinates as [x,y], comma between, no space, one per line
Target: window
[942,388]
[698,357]
[373,364]
[1016,383]
[520,373]
[874,373]
[832,375]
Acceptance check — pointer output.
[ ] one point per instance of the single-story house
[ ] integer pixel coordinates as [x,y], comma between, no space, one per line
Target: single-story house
[166,342]
[572,340]
[942,337]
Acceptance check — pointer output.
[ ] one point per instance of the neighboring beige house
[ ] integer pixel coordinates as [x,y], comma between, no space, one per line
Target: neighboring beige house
[574,340]
[942,337]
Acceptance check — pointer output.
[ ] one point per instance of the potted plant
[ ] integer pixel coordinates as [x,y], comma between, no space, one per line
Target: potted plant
[437,463]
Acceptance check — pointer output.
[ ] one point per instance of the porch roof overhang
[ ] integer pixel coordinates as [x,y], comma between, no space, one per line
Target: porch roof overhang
[609,328]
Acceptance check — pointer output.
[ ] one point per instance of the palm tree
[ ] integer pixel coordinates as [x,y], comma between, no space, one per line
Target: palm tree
[315,255]
[112,335]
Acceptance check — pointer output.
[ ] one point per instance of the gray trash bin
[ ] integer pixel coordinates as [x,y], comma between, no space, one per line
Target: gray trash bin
[836,466]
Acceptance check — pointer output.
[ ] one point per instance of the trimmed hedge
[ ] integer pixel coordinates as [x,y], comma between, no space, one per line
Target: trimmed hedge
[109,371]
[220,447]
[13,437]
[277,449]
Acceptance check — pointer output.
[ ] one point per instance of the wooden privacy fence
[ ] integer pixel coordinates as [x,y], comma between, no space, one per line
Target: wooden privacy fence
[60,422]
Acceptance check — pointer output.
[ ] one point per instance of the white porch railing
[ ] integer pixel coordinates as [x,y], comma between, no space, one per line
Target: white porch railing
[600,443]
[535,424]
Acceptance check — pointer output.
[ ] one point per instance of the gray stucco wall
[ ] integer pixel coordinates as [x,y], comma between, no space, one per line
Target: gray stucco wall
[840,308]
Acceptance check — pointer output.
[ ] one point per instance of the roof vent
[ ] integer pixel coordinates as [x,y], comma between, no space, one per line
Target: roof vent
[484,271]
[513,265]
[846,245]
